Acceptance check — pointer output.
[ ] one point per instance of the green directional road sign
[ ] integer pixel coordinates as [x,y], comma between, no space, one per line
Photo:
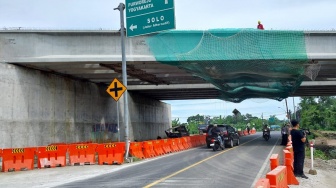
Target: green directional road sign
[149,16]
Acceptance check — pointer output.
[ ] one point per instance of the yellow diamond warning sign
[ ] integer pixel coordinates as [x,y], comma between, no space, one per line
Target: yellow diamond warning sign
[116,89]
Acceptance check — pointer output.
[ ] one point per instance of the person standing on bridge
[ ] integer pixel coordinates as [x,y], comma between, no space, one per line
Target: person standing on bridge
[298,142]
[260,26]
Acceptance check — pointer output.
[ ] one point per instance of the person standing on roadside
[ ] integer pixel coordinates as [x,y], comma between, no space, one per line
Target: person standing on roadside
[284,133]
[298,142]
[260,26]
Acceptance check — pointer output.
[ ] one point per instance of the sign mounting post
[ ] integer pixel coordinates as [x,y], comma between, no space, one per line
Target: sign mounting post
[121,8]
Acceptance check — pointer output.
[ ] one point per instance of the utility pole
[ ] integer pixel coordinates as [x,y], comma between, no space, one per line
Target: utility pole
[288,115]
[294,109]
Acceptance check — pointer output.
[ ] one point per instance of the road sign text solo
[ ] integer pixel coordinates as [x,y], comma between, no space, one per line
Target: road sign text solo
[155,19]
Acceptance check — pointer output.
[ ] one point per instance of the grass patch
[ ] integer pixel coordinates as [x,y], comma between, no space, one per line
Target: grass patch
[135,159]
[317,154]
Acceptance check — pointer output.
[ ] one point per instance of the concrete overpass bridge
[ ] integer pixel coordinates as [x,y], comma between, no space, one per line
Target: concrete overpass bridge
[54,83]
[96,56]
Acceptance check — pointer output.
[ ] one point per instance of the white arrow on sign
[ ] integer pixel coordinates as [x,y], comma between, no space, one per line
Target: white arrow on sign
[133,27]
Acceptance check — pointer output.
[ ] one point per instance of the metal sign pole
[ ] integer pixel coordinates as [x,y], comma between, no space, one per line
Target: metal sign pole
[121,8]
[118,121]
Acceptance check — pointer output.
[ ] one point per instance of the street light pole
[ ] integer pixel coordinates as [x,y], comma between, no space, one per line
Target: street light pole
[121,8]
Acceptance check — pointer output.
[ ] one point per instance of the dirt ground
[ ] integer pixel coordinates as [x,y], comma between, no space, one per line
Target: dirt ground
[326,169]
[325,177]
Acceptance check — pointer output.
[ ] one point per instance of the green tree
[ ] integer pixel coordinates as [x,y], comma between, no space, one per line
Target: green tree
[218,120]
[317,112]
[199,119]
[229,120]
[176,122]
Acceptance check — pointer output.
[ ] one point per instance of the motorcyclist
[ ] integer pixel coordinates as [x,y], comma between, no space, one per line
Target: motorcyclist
[215,131]
[267,130]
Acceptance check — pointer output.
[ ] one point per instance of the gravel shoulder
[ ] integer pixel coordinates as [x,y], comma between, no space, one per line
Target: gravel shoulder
[325,177]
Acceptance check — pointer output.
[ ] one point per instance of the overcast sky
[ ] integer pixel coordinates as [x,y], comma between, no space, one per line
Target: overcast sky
[189,14]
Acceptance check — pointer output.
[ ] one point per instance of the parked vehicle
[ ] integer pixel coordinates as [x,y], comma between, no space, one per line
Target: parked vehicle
[230,135]
[266,135]
[202,128]
[177,132]
[216,143]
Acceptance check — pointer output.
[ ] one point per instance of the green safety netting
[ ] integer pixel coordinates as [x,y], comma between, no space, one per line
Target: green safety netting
[241,63]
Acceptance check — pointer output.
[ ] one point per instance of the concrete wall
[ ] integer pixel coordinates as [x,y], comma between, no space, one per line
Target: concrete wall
[38,108]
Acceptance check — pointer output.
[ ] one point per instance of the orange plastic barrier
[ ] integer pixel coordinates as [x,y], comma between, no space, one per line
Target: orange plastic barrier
[278,177]
[184,141]
[136,150]
[274,161]
[290,149]
[178,141]
[82,154]
[166,146]
[289,143]
[188,141]
[111,153]
[194,141]
[288,162]
[263,183]
[51,156]
[148,149]
[157,146]
[173,144]
[200,140]
[203,142]
[16,159]
[0,153]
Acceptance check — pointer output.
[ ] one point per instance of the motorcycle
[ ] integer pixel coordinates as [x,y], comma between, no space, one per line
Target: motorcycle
[216,143]
[266,135]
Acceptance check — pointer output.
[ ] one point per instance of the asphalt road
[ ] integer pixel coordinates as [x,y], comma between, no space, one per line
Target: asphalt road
[234,167]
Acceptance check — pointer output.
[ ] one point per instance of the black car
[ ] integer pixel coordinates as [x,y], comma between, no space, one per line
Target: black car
[202,128]
[230,135]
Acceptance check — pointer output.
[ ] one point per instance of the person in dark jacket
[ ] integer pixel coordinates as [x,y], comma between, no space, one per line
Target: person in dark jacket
[284,133]
[215,131]
[298,143]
